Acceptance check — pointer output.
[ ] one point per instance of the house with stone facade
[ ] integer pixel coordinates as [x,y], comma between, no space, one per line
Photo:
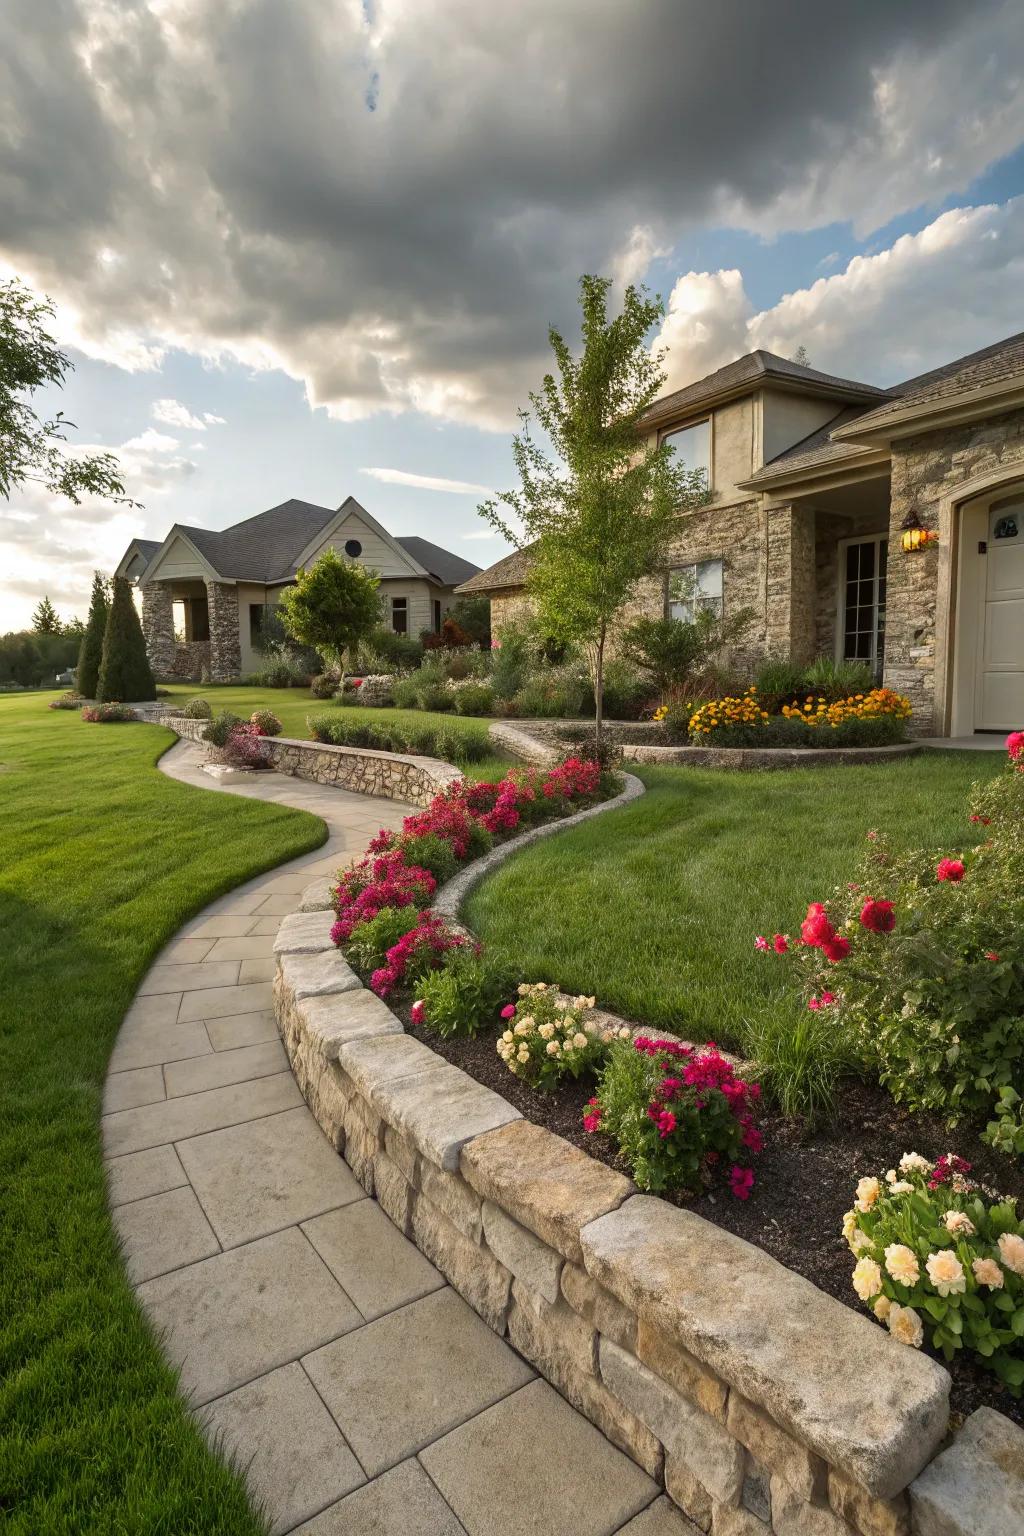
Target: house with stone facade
[879,525]
[205,593]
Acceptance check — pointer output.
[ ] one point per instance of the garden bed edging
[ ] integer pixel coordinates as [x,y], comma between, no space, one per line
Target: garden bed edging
[763,1404]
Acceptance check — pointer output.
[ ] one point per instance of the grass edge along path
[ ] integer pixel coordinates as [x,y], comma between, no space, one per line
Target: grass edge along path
[104,859]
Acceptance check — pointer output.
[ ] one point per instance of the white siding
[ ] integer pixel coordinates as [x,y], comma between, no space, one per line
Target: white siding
[376,553]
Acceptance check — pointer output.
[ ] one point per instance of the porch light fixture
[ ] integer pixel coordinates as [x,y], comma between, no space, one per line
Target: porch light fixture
[914,535]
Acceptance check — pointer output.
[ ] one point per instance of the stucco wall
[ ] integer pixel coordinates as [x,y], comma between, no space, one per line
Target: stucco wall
[787,419]
[926,472]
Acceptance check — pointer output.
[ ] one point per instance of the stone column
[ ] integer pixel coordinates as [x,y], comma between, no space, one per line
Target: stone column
[158,627]
[225,640]
[790,584]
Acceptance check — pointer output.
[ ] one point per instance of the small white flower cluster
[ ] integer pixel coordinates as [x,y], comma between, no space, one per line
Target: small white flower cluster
[548,1037]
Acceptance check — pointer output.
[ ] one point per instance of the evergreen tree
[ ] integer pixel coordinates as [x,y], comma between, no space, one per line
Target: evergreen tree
[125,674]
[91,653]
[44,619]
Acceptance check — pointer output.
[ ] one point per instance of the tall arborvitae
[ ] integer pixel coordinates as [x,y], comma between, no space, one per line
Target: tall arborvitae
[91,653]
[124,669]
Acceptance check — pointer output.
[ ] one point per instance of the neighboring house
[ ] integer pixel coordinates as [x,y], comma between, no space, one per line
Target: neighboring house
[204,593]
[814,482]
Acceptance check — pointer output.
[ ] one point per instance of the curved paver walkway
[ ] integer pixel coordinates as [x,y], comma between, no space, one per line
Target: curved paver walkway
[319,1348]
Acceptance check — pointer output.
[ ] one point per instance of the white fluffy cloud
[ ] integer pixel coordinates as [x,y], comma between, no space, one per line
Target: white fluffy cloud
[174,413]
[390,202]
[953,287]
[427,482]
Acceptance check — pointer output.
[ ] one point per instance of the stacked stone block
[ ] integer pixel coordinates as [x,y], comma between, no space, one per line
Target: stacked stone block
[765,1407]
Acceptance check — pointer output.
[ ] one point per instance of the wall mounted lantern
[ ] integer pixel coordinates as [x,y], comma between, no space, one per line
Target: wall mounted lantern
[914,535]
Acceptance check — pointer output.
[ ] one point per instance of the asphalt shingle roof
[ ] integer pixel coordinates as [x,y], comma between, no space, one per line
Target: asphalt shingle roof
[1003,360]
[757,368]
[509,571]
[449,569]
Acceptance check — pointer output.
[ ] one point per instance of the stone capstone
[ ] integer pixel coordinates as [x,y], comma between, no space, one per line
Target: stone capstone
[316,975]
[976,1487]
[304,933]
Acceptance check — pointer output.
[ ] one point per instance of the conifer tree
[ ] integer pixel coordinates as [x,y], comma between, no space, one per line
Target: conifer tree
[125,674]
[91,653]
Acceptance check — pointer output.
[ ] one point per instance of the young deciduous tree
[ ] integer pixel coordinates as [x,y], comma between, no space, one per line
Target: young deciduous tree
[332,606]
[44,619]
[91,653]
[30,444]
[600,511]
[125,675]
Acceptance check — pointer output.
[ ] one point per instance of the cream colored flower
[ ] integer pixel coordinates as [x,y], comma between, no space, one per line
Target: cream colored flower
[553,1048]
[580,1041]
[868,1191]
[913,1162]
[607,1037]
[959,1223]
[901,1187]
[859,1240]
[881,1307]
[589,1002]
[567,1048]
[546,1031]
[524,1053]
[590,1027]
[524,989]
[507,1036]
[901,1262]
[849,1225]
[624,1033]
[946,1272]
[1011,1251]
[987,1272]
[867,1278]
[905,1325]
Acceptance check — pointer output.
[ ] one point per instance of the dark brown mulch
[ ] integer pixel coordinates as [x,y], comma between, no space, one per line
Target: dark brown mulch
[804,1182]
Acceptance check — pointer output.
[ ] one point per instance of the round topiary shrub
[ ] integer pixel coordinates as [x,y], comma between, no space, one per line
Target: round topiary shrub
[220,728]
[323,685]
[197,709]
[265,722]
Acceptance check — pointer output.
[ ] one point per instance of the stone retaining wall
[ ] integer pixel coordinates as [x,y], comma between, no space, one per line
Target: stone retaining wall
[762,1404]
[390,775]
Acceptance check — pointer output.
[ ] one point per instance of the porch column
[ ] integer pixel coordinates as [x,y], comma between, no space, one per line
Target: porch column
[225,640]
[158,627]
[790,583]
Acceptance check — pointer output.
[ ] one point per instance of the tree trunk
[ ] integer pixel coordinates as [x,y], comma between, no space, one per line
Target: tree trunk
[599,686]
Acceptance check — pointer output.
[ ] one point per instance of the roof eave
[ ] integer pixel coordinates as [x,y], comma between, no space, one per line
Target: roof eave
[656,417]
[856,465]
[949,410]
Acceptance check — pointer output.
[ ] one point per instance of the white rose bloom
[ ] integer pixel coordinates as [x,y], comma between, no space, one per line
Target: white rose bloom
[552,1047]
[959,1223]
[913,1162]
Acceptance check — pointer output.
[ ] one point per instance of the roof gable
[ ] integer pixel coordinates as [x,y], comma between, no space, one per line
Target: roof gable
[752,371]
[353,519]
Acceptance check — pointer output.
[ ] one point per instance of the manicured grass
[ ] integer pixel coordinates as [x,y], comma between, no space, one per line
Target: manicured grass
[104,858]
[654,908]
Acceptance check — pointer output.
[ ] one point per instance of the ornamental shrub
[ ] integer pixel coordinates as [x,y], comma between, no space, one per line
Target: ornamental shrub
[67,701]
[941,1259]
[369,942]
[473,698]
[680,1115]
[546,1039]
[382,879]
[463,995]
[922,960]
[244,748]
[90,654]
[220,728]
[124,666]
[197,709]
[109,714]
[323,685]
[430,851]
[418,951]
[265,722]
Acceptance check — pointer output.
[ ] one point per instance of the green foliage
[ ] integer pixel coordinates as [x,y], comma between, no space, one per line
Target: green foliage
[627,693]
[291,669]
[937,1004]
[465,994]
[124,666]
[779,682]
[332,606]
[554,693]
[44,619]
[837,679]
[431,852]
[473,616]
[473,698]
[220,728]
[34,661]
[598,514]
[937,1256]
[802,1056]
[266,722]
[511,659]
[90,654]
[384,651]
[67,701]
[370,941]
[197,709]
[324,685]
[1006,1131]
[426,740]
[30,451]
[109,714]
[673,652]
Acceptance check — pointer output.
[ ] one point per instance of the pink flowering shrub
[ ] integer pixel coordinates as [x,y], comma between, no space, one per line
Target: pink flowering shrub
[940,1259]
[383,880]
[265,723]
[244,748]
[921,961]
[680,1115]
[108,714]
[420,950]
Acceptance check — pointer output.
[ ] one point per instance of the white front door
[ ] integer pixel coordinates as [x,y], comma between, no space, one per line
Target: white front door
[1000,652]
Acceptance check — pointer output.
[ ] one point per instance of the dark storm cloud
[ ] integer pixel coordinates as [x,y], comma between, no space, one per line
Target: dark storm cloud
[209,172]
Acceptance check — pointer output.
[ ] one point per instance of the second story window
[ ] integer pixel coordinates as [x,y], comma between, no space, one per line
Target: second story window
[692,448]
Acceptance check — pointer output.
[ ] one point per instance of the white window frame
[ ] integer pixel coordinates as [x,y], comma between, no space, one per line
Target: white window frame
[667,432]
[692,567]
[877,539]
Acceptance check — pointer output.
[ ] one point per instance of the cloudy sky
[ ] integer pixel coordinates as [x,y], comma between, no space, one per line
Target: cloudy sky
[311,247]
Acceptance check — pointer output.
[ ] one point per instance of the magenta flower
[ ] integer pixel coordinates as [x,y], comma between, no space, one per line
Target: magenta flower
[741,1181]
[509,1011]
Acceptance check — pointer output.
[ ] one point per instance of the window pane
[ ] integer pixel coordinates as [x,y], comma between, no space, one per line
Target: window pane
[692,446]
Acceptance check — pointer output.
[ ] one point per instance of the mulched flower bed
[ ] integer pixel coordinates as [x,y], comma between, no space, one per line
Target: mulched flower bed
[804,1182]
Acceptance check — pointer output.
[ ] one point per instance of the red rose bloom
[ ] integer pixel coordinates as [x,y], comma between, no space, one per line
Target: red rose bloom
[816,928]
[949,869]
[878,916]
[836,949]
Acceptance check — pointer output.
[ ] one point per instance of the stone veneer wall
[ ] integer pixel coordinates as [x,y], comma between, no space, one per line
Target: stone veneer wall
[188,660]
[763,1405]
[158,628]
[225,639]
[926,471]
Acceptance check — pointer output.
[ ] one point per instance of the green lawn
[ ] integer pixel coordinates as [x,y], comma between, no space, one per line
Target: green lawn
[293,705]
[103,859]
[654,908]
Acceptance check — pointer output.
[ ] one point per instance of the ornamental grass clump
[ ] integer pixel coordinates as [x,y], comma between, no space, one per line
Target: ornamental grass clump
[941,1260]
[920,960]
[548,1037]
[681,1115]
